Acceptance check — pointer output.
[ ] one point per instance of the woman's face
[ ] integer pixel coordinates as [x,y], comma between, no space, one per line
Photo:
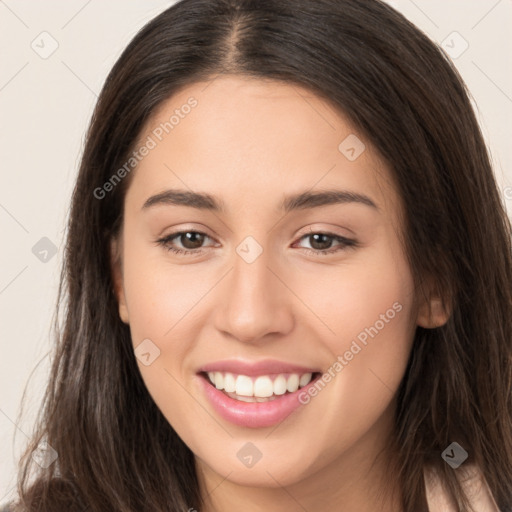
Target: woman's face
[252,303]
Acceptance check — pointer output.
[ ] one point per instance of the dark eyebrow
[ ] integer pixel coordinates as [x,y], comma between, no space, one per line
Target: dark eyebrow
[301,201]
[310,199]
[185,198]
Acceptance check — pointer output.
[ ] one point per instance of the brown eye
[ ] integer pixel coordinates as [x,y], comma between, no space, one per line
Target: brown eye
[191,242]
[321,243]
[191,239]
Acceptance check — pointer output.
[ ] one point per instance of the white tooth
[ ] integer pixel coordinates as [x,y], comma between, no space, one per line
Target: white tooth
[305,379]
[243,386]
[229,383]
[219,380]
[293,383]
[263,387]
[246,399]
[211,376]
[280,385]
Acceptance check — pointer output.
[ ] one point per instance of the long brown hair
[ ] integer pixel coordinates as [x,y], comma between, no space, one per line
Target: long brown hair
[116,451]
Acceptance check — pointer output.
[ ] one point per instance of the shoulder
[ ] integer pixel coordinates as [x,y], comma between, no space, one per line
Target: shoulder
[474,485]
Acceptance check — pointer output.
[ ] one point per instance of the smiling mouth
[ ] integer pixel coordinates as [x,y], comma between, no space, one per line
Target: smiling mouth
[263,388]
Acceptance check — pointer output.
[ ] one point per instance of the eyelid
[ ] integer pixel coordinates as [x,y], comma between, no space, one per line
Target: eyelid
[329,231]
[179,228]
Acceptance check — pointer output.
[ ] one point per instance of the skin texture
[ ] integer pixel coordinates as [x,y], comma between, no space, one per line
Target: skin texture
[250,142]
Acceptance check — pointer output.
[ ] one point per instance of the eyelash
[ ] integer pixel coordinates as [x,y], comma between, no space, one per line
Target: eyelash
[346,243]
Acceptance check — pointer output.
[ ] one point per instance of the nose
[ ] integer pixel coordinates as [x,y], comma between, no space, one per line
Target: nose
[254,301]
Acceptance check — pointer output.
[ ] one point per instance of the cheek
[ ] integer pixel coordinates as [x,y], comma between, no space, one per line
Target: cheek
[369,308]
[162,301]
[160,296]
[365,321]
[353,297]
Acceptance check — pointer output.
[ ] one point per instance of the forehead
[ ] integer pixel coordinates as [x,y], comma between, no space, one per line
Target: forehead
[244,139]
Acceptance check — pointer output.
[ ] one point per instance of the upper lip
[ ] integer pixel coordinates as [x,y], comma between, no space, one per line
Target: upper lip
[254,368]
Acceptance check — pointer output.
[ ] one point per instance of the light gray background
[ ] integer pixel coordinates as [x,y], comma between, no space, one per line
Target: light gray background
[45,105]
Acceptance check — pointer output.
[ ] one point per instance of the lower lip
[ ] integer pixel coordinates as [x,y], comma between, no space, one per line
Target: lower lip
[253,414]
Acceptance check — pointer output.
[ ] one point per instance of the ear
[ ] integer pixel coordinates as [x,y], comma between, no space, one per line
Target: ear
[116,268]
[433,311]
